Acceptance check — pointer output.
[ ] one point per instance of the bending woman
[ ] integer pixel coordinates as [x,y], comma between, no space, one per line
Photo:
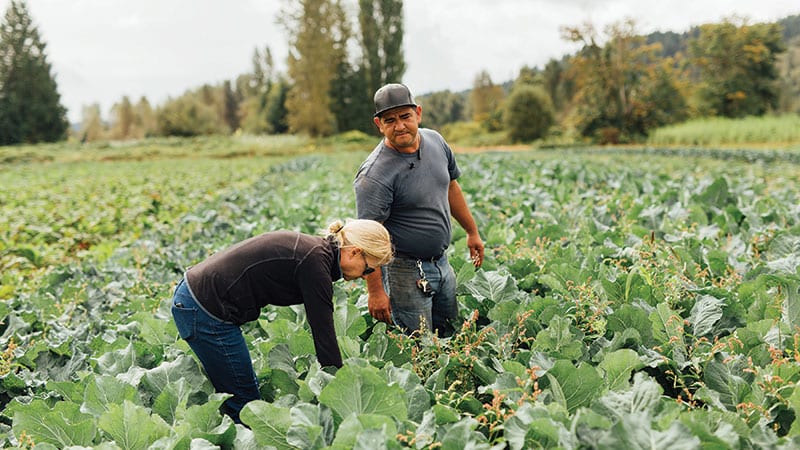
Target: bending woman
[280,268]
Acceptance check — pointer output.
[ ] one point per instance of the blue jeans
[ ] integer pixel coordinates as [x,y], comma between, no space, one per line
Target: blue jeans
[221,348]
[410,305]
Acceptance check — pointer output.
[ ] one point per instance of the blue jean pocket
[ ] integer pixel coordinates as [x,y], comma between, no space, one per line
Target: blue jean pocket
[185,321]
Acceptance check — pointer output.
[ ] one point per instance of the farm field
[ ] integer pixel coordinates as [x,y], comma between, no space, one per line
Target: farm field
[629,299]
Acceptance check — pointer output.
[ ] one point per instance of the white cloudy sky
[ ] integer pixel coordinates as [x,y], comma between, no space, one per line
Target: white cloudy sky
[104,49]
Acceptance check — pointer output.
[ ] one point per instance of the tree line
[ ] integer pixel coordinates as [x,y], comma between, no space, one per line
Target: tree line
[621,84]
[617,88]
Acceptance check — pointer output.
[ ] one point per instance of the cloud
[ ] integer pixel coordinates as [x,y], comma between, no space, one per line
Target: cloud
[104,49]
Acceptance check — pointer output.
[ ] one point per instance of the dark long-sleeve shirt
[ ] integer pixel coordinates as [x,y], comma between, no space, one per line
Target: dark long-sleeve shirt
[276,268]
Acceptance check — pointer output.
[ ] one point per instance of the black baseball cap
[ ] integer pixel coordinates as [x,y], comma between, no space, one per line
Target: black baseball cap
[392,95]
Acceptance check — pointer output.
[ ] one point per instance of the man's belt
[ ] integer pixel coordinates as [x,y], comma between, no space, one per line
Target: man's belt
[433,258]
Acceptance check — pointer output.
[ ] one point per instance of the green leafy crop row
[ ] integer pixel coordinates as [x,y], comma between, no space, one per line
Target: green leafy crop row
[626,301]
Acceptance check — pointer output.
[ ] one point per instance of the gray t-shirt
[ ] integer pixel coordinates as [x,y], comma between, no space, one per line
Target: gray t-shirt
[408,192]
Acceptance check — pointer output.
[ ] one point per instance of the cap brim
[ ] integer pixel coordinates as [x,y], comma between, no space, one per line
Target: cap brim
[413,105]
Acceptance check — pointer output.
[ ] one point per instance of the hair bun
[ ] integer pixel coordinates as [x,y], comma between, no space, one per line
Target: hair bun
[335,227]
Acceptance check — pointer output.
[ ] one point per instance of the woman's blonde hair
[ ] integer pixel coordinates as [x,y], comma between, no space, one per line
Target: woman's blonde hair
[368,235]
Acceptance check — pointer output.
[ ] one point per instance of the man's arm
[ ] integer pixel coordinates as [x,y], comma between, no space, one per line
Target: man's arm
[460,211]
[371,200]
[377,301]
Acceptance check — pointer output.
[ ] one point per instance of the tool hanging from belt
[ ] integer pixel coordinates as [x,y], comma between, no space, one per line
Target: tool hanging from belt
[423,283]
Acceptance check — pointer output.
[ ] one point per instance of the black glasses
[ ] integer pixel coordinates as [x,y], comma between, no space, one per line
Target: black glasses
[367,269]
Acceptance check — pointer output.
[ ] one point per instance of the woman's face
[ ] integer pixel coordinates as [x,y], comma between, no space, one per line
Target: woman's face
[355,263]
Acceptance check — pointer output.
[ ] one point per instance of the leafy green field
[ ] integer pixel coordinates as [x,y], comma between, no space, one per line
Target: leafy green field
[628,300]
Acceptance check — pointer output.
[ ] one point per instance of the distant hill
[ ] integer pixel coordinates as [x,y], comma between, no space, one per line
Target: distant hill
[791,27]
[674,43]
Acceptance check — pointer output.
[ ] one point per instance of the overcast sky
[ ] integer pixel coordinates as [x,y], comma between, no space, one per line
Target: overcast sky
[103,49]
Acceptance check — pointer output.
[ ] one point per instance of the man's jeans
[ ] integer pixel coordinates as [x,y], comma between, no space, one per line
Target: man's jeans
[221,349]
[410,306]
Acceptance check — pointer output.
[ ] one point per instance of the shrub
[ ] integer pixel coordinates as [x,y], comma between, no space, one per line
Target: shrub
[528,114]
[461,131]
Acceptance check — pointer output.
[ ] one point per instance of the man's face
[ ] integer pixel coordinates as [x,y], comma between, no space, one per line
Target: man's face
[400,125]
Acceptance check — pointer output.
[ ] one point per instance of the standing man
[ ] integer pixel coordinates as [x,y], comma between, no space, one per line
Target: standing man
[409,183]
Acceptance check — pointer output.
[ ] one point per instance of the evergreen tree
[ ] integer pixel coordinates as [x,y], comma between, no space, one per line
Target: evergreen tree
[343,73]
[231,106]
[381,24]
[351,102]
[276,106]
[30,109]
[352,108]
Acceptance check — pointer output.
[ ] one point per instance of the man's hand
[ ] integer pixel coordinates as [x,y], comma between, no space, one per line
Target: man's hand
[379,307]
[377,301]
[475,244]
